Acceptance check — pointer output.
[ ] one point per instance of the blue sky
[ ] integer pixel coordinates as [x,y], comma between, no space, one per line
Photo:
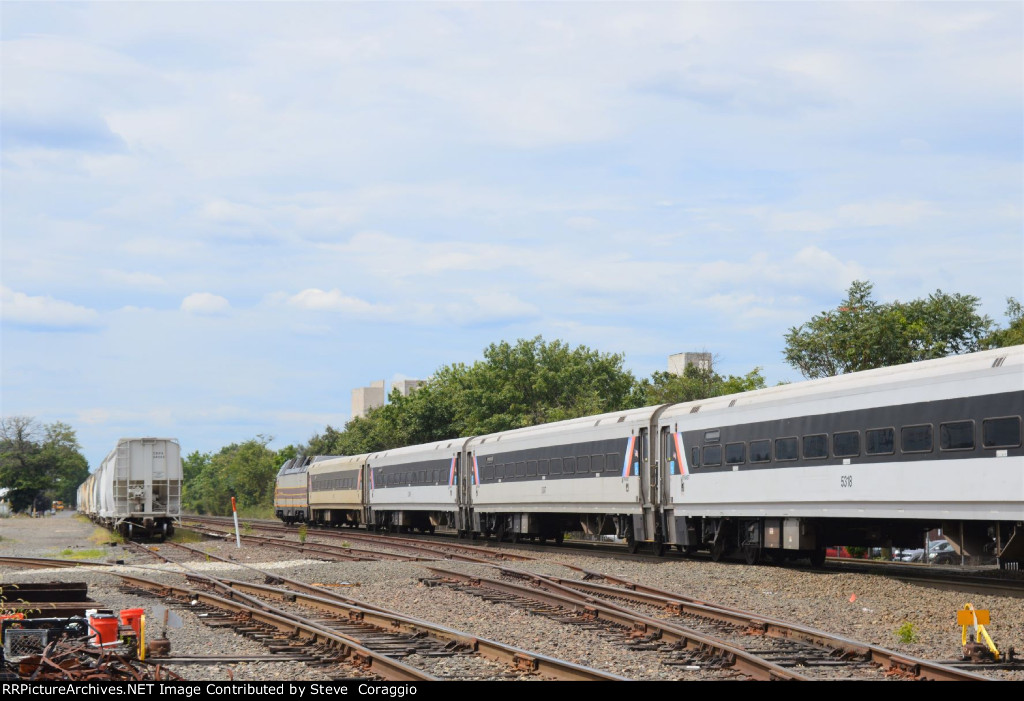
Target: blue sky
[219,218]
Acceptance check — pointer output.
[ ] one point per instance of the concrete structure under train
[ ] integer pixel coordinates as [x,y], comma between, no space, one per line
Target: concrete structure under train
[136,490]
[873,458]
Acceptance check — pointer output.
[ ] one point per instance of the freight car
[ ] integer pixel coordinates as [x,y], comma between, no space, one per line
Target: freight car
[873,458]
[136,490]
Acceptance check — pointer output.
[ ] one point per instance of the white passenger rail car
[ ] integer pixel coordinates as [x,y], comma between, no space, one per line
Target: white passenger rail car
[874,458]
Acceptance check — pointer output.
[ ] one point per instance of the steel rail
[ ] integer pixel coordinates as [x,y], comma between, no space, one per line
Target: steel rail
[762,625]
[736,658]
[522,660]
[353,553]
[46,563]
[391,621]
[294,626]
[446,550]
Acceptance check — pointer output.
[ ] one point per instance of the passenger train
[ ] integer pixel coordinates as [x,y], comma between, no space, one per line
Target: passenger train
[136,490]
[873,458]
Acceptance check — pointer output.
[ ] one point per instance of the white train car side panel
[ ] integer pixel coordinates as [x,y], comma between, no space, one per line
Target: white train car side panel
[415,487]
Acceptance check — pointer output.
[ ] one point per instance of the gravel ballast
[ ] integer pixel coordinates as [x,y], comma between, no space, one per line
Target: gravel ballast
[868,608]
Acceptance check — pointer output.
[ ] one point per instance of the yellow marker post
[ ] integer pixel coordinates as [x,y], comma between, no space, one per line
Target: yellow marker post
[142,637]
[975,620]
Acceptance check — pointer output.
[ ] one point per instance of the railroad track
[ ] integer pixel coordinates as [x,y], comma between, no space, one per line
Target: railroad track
[386,631]
[434,549]
[786,643]
[999,584]
[697,634]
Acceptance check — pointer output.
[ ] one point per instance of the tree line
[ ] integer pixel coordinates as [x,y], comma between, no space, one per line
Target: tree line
[529,382]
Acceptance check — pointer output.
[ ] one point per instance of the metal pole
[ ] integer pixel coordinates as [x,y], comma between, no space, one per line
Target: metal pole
[238,536]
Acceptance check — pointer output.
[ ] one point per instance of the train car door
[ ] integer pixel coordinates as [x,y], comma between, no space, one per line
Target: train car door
[648,487]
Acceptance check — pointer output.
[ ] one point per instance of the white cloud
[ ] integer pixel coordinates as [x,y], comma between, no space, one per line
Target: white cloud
[335,300]
[205,304]
[46,312]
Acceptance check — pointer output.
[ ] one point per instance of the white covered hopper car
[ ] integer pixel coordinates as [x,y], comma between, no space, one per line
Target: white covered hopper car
[136,490]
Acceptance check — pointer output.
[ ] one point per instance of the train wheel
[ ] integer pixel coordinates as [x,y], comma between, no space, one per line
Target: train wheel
[817,557]
[717,550]
[751,554]
[559,538]
[658,548]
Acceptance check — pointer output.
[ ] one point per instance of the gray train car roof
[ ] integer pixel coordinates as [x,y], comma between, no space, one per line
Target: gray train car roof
[583,425]
[962,375]
[414,453]
[333,462]
[141,438]
[302,463]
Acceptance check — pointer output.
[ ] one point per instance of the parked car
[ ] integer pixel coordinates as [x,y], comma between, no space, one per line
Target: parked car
[942,552]
[915,555]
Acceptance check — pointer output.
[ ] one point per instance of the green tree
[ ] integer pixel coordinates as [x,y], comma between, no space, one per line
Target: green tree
[860,333]
[514,385]
[246,471]
[534,382]
[39,463]
[695,383]
[65,465]
[1013,334]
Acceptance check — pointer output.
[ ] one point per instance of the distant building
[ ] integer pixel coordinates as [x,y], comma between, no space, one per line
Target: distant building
[406,387]
[678,362]
[366,398]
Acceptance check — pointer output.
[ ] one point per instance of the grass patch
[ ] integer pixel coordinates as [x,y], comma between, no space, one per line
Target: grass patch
[257,512]
[907,633]
[90,554]
[101,536]
[185,535]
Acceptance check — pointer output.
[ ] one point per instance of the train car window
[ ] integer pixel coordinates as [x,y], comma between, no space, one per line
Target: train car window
[846,444]
[712,455]
[521,469]
[694,456]
[880,441]
[423,476]
[597,463]
[583,464]
[568,466]
[488,472]
[735,453]
[1001,433]
[916,439]
[787,448]
[531,468]
[556,466]
[712,436]
[760,451]
[612,462]
[815,446]
[956,435]
[542,467]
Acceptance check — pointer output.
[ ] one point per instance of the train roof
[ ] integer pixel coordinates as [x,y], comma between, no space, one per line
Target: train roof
[1006,363]
[628,416]
[438,447]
